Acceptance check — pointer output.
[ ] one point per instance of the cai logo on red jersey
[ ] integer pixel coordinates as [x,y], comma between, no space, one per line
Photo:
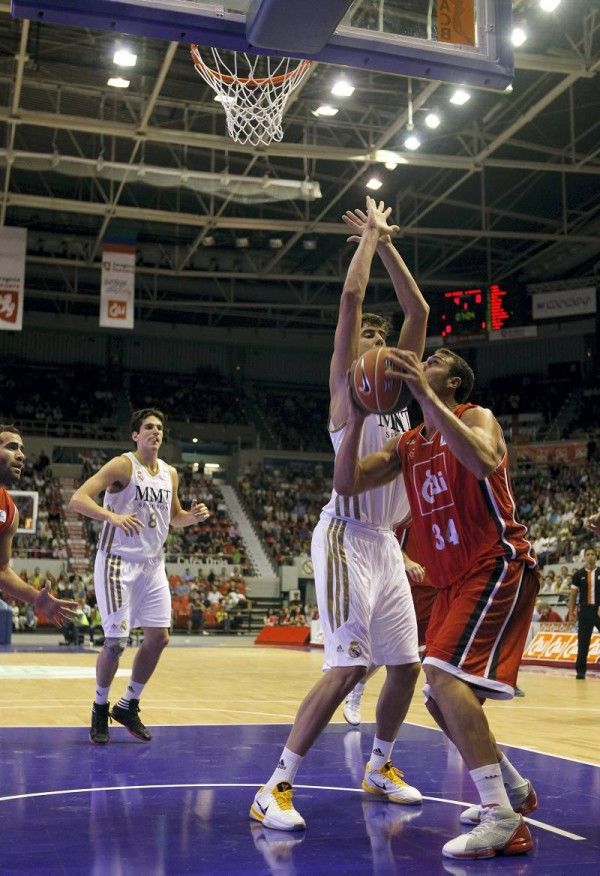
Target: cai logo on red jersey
[430,482]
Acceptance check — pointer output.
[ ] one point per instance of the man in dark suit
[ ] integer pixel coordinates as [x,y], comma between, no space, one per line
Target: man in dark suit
[585,585]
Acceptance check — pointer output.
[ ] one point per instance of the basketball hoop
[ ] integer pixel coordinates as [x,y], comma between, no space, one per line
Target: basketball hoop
[253,90]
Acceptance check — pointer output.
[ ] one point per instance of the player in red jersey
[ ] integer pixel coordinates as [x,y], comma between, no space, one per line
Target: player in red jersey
[476,553]
[12,458]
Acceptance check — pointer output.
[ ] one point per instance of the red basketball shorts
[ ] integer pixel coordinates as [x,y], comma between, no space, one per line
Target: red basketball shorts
[479,626]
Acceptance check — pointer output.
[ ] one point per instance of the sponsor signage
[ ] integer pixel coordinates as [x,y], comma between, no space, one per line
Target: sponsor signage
[551,645]
[567,302]
[117,290]
[13,248]
[571,452]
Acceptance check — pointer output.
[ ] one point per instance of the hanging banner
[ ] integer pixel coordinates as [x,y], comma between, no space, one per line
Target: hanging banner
[567,302]
[13,248]
[552,452]
[456,22]
[117,289]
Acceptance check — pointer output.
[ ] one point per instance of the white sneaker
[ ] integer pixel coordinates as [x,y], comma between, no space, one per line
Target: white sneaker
[389,782]
[352,705]
[273,807]
[500,832]
[523,800]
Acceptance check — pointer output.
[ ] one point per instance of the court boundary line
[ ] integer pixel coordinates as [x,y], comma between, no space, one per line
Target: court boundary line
[109,788]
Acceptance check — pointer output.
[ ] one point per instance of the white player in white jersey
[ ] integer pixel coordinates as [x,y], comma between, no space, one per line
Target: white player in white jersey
[363,594]
[140,503]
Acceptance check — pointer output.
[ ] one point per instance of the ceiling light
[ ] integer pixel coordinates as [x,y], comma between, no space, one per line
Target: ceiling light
[124,58]
[391,165]
[309,243]
[412,142]
[509,88]
[118,82]
[342,88]
[432,120]
[374,184]
[194,440]
[549,5]
[518,36]
[242,242]
[325,110]
[208,241]
[275,242]
[460,97]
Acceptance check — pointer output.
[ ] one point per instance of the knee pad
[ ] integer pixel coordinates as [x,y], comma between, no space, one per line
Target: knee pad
[115,646]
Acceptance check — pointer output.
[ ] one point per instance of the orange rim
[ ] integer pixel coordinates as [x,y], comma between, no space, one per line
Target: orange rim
[226,79]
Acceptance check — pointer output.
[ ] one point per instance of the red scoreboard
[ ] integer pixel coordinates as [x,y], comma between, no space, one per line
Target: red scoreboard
[473,311]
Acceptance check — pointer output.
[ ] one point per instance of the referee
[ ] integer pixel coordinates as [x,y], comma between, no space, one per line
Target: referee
[585,584]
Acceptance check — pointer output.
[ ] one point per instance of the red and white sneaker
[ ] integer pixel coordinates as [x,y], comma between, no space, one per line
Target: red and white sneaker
[523,800]
[500,832]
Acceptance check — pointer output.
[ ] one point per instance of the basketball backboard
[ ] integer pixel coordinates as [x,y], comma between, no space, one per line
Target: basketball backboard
[461,41]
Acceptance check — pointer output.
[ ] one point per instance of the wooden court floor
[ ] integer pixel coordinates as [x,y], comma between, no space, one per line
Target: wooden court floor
[258,685]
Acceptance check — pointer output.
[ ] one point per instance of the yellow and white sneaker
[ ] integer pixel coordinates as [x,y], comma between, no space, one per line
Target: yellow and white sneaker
[273,807]
[388,781]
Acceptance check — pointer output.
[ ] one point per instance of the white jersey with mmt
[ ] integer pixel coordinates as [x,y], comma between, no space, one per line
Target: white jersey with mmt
[383,507]
[147,496]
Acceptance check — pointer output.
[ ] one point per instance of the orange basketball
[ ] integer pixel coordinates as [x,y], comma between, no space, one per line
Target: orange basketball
[373,391]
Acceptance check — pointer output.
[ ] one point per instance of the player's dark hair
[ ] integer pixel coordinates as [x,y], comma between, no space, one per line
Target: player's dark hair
[380,323]
[138,417]
[8,427]
[459,368]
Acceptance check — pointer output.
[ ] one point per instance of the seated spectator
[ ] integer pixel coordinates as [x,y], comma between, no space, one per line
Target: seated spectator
[547,614]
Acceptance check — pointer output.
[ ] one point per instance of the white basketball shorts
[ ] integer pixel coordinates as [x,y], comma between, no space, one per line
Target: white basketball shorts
[130,594]
[363,595]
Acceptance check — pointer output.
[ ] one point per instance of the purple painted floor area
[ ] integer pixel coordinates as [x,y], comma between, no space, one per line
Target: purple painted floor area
[111,825]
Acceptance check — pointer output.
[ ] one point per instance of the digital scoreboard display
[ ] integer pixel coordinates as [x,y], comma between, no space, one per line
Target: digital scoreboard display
[473,311]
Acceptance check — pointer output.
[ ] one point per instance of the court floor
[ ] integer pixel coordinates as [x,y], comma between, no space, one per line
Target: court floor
[220,716]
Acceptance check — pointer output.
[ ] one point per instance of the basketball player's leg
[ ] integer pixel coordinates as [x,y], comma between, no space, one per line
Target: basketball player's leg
[112,594]
[150,609]
[353,701]
[342,598]
[395,644]
[473,651]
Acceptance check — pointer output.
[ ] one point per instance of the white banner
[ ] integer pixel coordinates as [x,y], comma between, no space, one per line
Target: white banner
[13,248]
[567,302]
[117,289]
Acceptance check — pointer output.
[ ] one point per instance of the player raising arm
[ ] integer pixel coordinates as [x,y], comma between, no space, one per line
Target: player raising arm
[476,552]
[12,458]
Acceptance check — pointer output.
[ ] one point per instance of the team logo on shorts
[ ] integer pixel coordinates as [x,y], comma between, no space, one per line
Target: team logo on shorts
[123,626]
[354,649]
[2,516]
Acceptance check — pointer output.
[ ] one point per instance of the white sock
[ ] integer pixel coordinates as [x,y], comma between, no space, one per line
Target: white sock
[133,692]
[381,753]
[511,777]
[101,695]
[489,784]
[286,769]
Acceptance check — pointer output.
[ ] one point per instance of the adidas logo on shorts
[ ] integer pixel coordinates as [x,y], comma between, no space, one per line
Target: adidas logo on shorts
[339,649]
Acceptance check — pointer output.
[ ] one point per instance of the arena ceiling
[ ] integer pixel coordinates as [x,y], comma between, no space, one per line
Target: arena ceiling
[507,188]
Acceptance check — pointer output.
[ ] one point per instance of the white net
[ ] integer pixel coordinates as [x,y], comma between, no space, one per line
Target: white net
[253,91]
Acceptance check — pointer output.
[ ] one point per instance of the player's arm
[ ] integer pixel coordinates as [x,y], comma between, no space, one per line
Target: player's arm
[114,474]
[56,610]
[476,439]
[352,475]
[410,299]
[180,518]
[347,332]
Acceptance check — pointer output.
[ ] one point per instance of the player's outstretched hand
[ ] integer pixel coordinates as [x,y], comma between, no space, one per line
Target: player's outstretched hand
[376,216]
[57,611]
[129,523]
[200,511]
[593,523]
